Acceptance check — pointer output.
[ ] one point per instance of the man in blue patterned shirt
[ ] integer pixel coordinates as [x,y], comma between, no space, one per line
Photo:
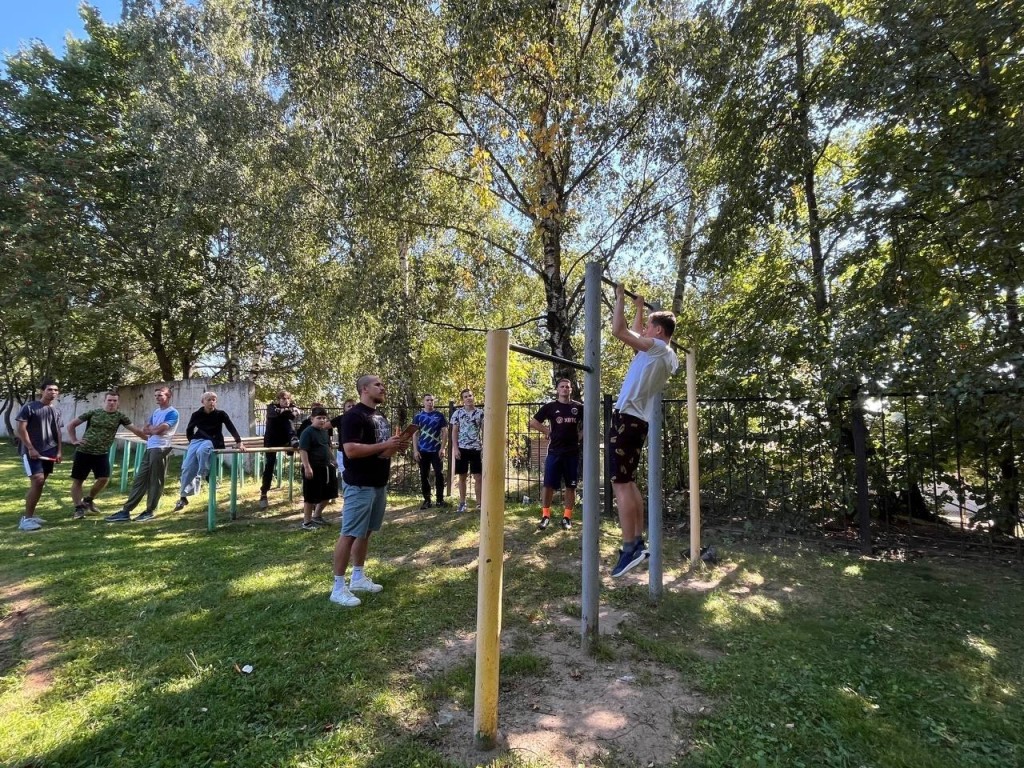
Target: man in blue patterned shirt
[427,449]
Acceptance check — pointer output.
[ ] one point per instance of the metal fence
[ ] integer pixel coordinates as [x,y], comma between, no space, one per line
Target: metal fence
[524,468]
[938,467]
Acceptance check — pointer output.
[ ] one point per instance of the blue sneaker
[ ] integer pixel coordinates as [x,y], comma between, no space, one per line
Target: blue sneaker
[118,517]
[629,559]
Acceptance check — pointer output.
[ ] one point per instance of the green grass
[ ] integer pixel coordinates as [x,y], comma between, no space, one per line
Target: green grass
[807,659]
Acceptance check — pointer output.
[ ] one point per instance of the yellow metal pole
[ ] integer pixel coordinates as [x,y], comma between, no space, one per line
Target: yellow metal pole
[492,533]
[694,447]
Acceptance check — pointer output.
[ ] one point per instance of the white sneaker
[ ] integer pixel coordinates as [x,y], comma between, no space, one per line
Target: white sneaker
[365,585]
[36,519]
[342,596]
[29,524]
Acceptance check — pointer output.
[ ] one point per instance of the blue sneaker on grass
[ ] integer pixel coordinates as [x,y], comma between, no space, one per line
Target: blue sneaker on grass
[629,558]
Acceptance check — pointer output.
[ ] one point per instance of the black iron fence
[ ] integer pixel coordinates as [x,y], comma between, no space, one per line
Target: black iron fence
[938,467]
[527,450]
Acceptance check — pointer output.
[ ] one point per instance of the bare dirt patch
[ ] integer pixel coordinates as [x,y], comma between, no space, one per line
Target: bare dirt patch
[580,710]
[27,636]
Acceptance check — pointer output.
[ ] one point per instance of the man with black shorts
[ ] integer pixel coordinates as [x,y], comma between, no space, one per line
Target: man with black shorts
[92,451]
[368,446]
[467,439]
[646,378]
[39,428]
[565,424]
[319,471]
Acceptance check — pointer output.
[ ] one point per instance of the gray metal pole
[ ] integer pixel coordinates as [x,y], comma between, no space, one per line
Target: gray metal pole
[593,482]
[655,501]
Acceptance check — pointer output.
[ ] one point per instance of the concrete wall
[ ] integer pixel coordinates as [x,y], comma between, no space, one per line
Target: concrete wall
[138,402]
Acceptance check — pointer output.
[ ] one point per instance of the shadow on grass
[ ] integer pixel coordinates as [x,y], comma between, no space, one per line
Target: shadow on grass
[822,660]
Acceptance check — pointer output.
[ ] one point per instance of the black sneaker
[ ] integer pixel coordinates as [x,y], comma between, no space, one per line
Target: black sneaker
[79,512]
[181,504]
[121,516]
[309,526]
[318,521]
[442,504]
[90,505]
[144,517]
[566,523]
[426,504]
[544,523]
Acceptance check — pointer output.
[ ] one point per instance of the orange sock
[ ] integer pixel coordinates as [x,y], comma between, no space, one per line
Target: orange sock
[567,514]
[545,512]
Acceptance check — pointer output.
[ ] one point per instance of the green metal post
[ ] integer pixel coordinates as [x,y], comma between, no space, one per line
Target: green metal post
[126,459]
[234,485]
[211,507]
[291,477]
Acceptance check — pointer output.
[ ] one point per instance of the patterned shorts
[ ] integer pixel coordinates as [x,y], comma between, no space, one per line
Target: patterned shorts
[626,437]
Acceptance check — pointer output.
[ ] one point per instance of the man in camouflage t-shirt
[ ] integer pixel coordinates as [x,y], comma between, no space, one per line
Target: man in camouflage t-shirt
[92,450]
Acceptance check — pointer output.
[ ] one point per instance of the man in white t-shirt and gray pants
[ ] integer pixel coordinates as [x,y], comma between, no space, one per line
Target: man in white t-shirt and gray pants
[646,378]
[149,480]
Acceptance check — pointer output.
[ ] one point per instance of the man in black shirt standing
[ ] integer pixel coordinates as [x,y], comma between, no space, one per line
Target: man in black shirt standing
[368,446]
[565,419]
[279,432]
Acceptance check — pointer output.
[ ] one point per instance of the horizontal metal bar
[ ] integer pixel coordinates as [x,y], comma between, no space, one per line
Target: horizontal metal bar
[549,358]
[652,307]
[613,284]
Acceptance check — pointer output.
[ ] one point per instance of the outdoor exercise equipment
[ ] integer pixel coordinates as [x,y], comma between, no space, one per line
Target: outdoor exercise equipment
[492,507]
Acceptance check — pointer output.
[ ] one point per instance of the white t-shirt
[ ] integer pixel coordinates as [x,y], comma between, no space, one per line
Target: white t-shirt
[163,416]
[646,377]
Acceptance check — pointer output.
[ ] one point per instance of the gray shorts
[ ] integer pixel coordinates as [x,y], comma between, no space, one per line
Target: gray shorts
[364,510]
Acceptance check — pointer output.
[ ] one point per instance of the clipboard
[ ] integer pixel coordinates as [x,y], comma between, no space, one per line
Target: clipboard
[409,431]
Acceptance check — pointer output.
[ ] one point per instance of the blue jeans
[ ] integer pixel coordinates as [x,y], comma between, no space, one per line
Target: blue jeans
[195,466]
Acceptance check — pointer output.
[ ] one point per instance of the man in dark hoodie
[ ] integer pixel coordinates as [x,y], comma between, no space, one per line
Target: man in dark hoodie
[279,433]
[205,434]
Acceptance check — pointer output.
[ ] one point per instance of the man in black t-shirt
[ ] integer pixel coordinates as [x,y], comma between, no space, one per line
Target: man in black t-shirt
[39,426]
[368,446]
[565,419]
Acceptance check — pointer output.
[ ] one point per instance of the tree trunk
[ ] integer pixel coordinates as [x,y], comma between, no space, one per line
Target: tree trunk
[559,324]
[406,401]
[810,192]
[685,264]
[155,337]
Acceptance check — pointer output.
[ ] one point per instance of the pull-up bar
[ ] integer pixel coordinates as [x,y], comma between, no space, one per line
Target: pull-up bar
[550,358]
[652,307]
[613,284]
[492,506]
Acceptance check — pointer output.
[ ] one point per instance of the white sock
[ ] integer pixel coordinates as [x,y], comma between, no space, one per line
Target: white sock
[339,582]
[357,573]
